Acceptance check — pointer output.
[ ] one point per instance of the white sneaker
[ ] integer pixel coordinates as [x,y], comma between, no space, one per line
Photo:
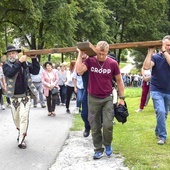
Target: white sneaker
[3,107]
[139,110]
[161,141]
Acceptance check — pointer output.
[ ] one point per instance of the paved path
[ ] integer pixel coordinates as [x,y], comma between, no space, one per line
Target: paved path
[46,136]
[127,68]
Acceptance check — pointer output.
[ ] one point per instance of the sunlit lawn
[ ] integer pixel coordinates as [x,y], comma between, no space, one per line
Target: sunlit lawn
[121,65]
[135,139]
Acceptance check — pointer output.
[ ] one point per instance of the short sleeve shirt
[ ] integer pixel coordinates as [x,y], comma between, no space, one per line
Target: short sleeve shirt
[160,79]
[100,76]
[79,80]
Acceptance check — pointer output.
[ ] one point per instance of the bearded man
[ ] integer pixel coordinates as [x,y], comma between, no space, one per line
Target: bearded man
[20,88]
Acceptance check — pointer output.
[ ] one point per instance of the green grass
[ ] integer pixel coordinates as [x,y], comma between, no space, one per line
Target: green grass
[121,65]
[135,139]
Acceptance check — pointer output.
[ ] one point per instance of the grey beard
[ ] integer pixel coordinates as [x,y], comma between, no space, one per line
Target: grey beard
[12,60]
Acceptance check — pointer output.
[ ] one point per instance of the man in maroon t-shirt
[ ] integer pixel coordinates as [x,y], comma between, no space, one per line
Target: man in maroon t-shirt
[102,70]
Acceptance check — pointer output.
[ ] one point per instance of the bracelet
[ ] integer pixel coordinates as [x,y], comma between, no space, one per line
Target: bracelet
[122,98]
[163,51]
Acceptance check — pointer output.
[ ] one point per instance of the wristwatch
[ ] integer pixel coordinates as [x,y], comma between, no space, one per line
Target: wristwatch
[122,98]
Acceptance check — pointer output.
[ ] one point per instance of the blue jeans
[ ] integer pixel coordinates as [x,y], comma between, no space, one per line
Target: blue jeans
[79,97]
[161,102]
[84,112]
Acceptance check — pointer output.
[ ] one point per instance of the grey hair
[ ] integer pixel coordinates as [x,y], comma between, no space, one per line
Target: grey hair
[103,45]
[166,37]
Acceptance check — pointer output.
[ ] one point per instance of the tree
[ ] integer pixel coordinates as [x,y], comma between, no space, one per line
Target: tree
[91,21]
[40,23]
[45,23]
[137,21]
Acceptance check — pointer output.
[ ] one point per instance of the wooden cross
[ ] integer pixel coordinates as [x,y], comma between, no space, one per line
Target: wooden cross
[90,48]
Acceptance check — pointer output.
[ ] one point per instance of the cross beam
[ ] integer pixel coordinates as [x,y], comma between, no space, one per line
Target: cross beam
[90,49]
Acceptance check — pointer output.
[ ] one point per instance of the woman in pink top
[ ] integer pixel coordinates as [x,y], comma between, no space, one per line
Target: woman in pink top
[50,80]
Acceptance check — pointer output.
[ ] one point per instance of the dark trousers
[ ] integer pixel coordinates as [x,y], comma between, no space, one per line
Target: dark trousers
[69,92]
[63,93]
[84,112]
[58,100]
[51,102]
[8,100]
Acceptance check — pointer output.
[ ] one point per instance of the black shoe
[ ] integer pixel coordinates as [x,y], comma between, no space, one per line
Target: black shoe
[68,111]
[86,133]
[22,145]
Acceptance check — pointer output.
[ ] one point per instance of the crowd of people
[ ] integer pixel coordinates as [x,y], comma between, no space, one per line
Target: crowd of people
[91,79]
[132,80]
[62,74]
[25,84]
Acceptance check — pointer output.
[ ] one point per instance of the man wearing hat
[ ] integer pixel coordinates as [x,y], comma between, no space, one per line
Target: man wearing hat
[20,88]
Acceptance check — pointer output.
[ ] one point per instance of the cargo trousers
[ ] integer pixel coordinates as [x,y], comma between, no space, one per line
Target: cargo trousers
[100,118]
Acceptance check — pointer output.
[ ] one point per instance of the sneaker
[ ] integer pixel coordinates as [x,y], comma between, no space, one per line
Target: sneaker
[3,107]
[43,105]
[139,110]
[161,141]
[108,150]
[98,155]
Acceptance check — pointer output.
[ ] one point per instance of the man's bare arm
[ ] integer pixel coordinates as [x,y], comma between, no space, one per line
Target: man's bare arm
[80,66]
[148,64]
